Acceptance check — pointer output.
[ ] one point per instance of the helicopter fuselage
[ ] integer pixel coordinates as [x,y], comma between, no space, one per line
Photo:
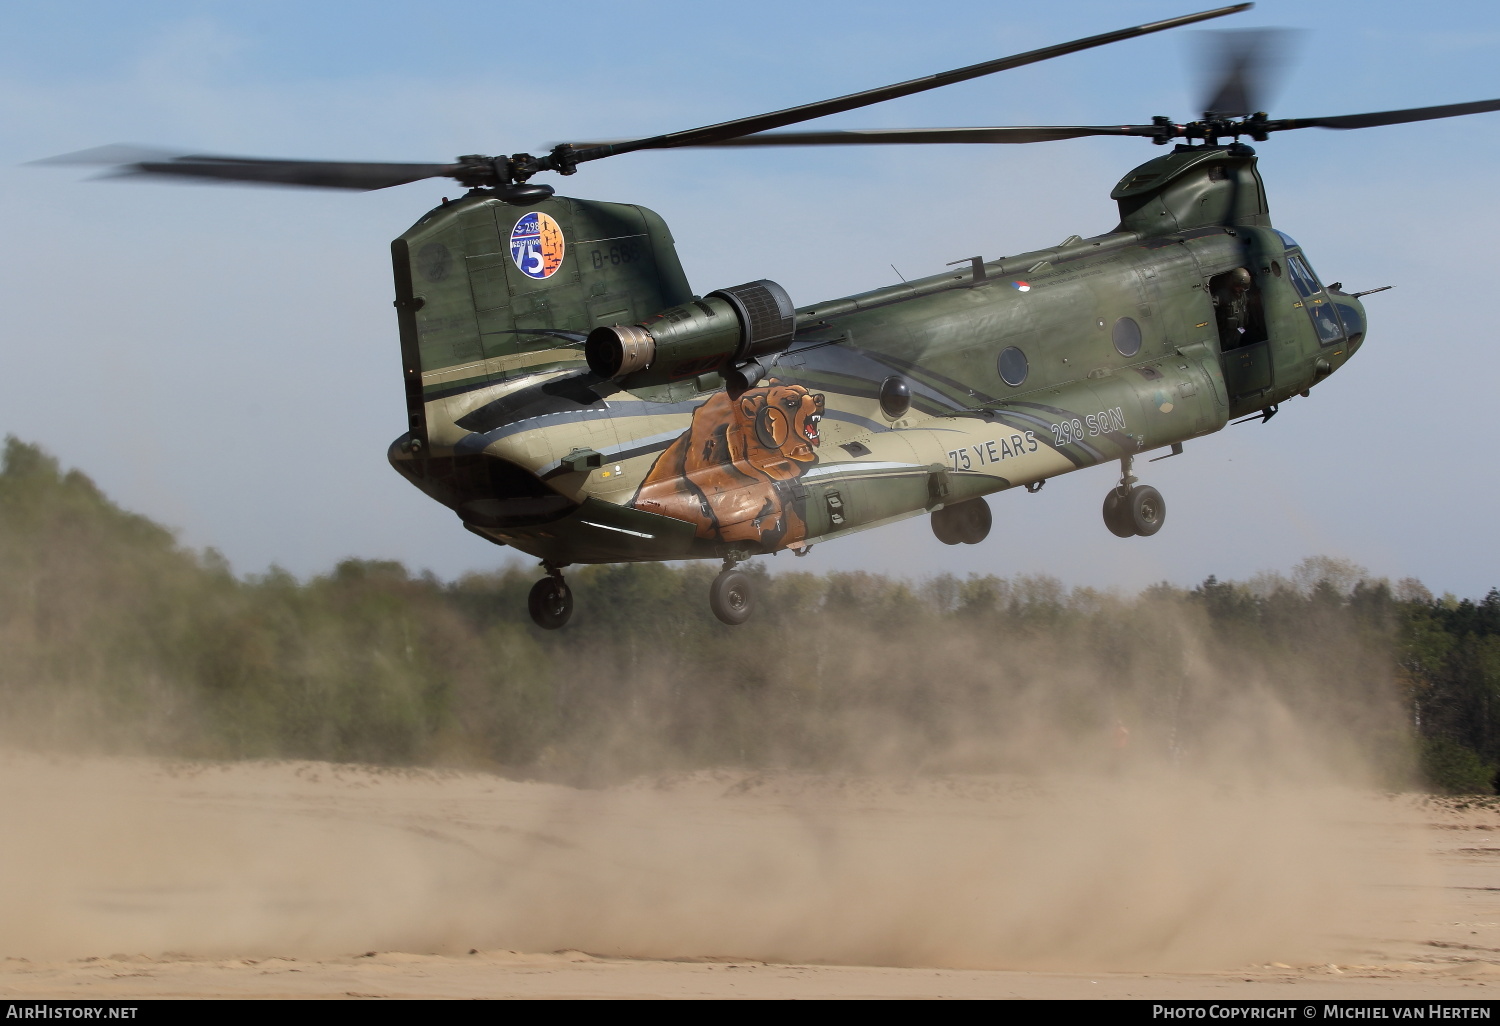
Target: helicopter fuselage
[897,402]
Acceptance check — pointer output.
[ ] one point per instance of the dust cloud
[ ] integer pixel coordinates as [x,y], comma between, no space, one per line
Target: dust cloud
[967,773]
[1061,839]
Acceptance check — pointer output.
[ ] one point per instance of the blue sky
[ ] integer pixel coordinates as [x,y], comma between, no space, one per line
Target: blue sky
[225,360]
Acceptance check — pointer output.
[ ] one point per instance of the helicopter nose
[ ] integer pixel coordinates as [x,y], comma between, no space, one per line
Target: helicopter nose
[1351,313]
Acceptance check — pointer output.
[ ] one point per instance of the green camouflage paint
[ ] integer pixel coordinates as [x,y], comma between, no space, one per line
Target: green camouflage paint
[1123,340]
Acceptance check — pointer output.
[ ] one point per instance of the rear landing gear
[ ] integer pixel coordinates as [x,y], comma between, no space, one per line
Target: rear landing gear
[966,523]
[732,596]
[1132,509]
[551,601]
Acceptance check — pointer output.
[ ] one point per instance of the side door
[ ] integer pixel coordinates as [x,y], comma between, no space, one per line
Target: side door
[1247,347]
[1285,293]
[1247,371]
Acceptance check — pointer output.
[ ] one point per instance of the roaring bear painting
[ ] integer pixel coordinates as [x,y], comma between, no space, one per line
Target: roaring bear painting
[729,473]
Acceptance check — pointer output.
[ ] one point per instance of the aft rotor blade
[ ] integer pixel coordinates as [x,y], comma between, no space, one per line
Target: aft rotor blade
[1386,117]
[713,134]
[902,136]
[323,174]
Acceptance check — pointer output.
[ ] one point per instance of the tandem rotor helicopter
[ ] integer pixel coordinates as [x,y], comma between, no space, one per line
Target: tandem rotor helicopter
[568,395]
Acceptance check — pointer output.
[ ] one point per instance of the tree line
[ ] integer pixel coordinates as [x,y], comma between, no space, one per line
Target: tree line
[117,638]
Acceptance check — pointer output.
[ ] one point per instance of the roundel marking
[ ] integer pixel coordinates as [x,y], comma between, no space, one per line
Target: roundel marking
[536,245]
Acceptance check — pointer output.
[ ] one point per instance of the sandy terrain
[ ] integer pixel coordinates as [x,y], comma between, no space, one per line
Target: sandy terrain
[130,878]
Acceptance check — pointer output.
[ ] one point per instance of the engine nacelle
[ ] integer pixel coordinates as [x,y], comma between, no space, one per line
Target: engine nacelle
[728,331]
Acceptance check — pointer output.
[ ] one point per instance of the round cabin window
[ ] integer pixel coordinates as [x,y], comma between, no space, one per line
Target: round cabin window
[1127,336]
[895,397]
[1012,366]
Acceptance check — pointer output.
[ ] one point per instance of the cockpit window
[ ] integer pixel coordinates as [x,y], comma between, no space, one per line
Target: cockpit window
[1319,308]
[1354,324]
[1286,240]
[1301,275]
[1326,321]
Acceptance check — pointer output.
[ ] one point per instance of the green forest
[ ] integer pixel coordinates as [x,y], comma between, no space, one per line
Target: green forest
[118,639]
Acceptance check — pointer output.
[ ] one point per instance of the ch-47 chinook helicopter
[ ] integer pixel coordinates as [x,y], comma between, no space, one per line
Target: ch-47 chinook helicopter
[568,394]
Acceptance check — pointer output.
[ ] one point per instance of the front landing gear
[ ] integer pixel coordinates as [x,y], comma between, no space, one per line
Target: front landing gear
[551,601]
[732,596]
[1132,509]
[962,523]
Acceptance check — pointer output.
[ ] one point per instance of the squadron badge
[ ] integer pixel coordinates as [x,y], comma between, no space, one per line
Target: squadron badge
[536,245]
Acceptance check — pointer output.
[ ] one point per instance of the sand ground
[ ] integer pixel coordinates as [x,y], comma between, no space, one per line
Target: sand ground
[128,878]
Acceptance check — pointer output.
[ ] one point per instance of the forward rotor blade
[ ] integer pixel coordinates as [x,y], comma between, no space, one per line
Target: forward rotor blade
[903,136]
[1240,62]
[113,154]
[1386,117]
[324,174]
[713,134]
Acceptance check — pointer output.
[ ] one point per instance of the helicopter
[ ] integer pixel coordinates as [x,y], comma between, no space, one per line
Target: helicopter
[568,395]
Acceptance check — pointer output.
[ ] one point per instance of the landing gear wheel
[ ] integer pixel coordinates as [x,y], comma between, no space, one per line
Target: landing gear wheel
[974,519]
[731,597]
[1148,510]
[966,522]
[1117,514]
[550,603]
[945,527]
